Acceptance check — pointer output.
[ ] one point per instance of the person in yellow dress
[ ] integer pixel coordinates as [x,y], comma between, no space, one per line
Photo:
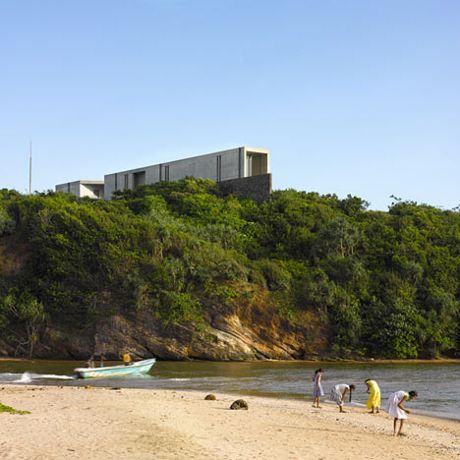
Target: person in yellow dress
[373,402]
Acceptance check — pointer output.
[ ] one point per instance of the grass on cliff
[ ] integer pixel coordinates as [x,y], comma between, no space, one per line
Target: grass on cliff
[11,410]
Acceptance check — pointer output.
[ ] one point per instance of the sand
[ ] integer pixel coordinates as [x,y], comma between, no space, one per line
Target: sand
[97,423]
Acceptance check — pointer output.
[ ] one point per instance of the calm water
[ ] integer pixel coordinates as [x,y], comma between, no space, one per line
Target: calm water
[438,385]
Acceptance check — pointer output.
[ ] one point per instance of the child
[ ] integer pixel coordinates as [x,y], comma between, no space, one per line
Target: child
[397,410]
[338,394]
[317,388]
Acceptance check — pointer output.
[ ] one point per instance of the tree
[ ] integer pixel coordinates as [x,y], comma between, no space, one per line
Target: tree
[26,314]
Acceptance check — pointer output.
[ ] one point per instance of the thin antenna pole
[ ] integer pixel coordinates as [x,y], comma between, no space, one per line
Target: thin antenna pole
[30,168]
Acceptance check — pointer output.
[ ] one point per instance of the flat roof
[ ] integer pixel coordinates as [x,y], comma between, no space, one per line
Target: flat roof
[83,182]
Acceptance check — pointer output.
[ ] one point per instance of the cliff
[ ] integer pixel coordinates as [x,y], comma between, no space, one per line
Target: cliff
[251,331]
[182,271]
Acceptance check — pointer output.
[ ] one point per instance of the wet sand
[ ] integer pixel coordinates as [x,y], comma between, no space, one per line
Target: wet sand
[98,423]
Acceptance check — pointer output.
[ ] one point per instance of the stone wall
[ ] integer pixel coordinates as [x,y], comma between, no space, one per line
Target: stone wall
[257,188]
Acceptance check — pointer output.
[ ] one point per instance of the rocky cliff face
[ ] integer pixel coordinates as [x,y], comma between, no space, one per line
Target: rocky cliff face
[251,328]
[250,334]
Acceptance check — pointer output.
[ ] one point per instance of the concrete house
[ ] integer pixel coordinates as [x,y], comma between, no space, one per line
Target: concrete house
[83,188]
[243,171]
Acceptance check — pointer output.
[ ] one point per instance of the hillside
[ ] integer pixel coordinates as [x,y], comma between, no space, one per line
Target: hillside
[178,271]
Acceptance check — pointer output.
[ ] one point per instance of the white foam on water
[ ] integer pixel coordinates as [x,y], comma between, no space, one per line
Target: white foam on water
[8,377]
[53,376]
[25,378]
[179,380]
[28,377]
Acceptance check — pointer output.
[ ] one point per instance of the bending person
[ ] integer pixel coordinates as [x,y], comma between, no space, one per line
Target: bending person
[397,410]
[373,402]
[339,392]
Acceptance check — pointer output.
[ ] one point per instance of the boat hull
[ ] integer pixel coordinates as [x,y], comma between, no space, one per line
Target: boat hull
[137,368]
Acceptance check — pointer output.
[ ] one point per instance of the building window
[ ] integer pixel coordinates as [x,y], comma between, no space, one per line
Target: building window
[126,178]
[139,178]
[256,164]
[219,168]
[164,173]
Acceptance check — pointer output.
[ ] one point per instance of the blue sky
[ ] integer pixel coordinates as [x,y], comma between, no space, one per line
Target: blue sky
[355,96]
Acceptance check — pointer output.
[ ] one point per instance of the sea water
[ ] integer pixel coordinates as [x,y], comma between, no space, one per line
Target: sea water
[437,384]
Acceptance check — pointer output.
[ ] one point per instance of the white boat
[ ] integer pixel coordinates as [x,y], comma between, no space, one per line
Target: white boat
[136,368]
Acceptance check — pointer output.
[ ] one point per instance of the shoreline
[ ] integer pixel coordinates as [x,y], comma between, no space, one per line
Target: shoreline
[284,361]
[307,399]
[65,422]
[368,361]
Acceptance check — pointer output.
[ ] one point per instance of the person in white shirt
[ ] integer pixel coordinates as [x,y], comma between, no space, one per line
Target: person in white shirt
[339,392]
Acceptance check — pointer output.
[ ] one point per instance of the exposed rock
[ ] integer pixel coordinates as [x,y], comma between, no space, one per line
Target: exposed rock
[250,330]
[239,404]
[210,397]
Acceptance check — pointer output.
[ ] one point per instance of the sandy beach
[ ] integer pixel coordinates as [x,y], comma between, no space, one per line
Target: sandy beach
[96,423]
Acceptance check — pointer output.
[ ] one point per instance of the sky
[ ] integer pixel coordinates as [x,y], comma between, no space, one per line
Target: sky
[355,97]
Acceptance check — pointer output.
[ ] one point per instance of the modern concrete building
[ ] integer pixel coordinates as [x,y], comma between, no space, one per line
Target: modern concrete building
[237,163]
[82,188]
[243,171]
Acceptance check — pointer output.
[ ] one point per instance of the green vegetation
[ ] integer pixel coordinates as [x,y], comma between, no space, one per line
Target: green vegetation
[381,284]
[10,410]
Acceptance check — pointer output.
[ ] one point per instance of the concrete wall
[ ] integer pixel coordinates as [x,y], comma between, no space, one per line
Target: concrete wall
[205,166]
[117,181]
[219,166]
[69,187]
[91,189]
